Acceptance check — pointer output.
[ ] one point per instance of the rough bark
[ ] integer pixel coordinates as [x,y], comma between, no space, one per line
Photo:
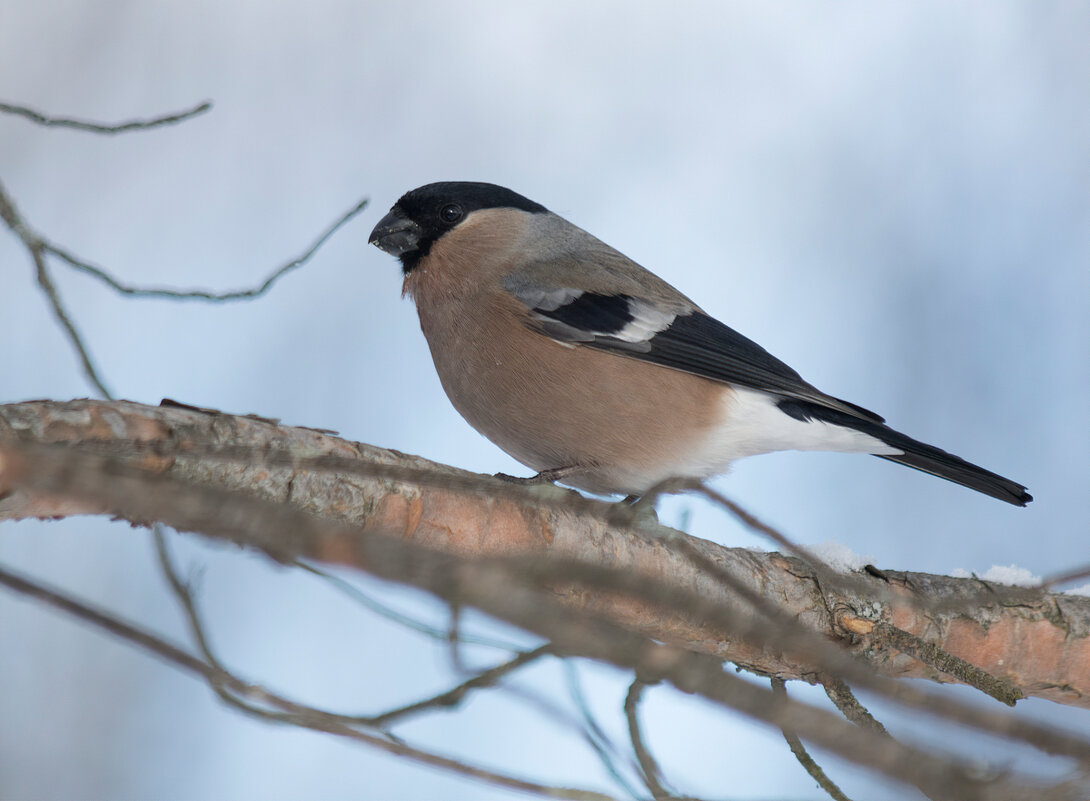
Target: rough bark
[677,589]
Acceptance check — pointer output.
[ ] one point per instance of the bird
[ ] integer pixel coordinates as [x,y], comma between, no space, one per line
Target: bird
[590,369]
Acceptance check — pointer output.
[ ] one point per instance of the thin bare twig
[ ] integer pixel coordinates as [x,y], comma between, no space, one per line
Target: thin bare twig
[649,768]
[844,699]
[359,596]
[752,522]
[74,336]
[257,291]
[941,660]
[595,737]
[454,696]
[803,756]
[301,716]
[454,639]
[850,707]
[184,596]
[102,128]
[36,247]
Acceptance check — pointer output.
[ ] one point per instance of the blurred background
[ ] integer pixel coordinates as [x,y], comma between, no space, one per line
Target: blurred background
[892,198]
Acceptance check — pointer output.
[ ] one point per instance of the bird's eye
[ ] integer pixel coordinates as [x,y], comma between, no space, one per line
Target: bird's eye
[451,213]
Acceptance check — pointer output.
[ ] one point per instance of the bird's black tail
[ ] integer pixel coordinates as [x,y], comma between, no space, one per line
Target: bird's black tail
[916,454]
[939,463]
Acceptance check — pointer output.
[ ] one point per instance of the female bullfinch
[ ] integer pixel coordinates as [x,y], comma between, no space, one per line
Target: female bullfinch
[580,363]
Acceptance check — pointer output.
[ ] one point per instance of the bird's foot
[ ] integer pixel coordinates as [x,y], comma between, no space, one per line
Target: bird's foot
[637,509]
[632,512]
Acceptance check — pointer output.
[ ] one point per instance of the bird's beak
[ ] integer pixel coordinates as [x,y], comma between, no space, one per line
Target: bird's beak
[396,234]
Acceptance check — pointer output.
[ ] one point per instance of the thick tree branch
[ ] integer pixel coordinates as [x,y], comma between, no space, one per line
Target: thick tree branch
[512,553]
[450,510]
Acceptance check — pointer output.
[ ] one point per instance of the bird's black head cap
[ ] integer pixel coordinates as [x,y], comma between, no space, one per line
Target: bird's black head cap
[423,215]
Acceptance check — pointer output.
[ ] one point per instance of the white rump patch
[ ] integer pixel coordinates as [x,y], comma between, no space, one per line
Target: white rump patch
[751,423]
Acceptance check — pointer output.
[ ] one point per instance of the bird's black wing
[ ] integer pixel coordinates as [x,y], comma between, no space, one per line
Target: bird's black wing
[670,335]
[681,337]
